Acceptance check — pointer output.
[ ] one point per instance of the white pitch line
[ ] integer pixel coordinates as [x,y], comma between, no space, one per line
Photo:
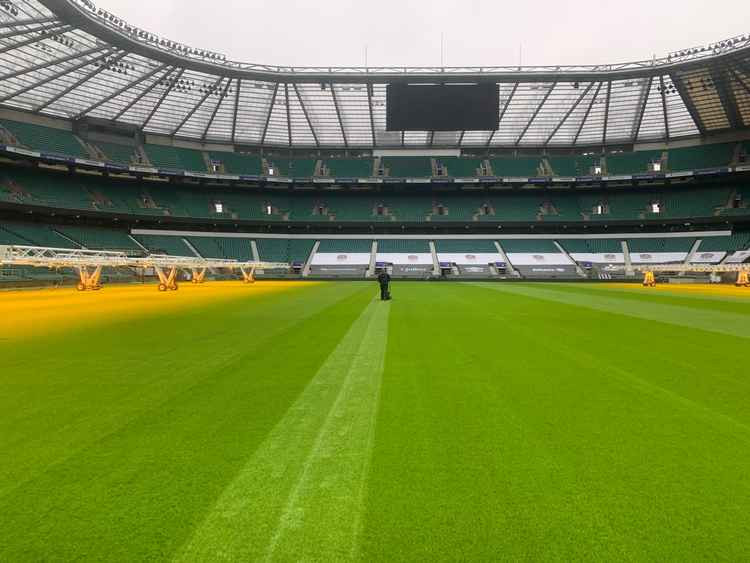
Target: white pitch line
[309,475]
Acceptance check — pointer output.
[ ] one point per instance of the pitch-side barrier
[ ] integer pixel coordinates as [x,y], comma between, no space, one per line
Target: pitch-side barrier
[90,263]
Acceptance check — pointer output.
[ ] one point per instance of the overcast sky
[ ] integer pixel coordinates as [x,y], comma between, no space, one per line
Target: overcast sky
[407,32]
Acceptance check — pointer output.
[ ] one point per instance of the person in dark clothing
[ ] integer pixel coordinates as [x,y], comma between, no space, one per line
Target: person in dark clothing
[384,280]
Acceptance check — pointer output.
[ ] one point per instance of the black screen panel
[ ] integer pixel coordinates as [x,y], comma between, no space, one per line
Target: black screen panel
[473,107]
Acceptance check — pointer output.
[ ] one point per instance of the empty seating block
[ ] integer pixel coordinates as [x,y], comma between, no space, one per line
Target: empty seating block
[572,166]
[406,246]
[45,139]
[350,167]
[284,250]
[341,245]
[408,166]
[465,245]
[660,244]
[520,167]
[164,244]
[592,246]
[236,163]
[629,163]
[223,248]
[293,168]
[733,243]
[704,156]
[98,238]
[459,167]
[529,246]
[120,154]
[39,235]
[175,158]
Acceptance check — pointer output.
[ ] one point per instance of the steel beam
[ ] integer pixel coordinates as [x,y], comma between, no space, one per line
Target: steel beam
[606,113]
[119,91]
[502,113]
[586,115]
[536,113]
[216,109]
[76,84]
[143,94]
[307,116]
[29,21]
[688,101]
[163,97]
[270,112]
[48,32]
[639,116]
[664,107]
[107,51]
[288,114]
[338,114]
[197,106]
[236,109]
[568,113]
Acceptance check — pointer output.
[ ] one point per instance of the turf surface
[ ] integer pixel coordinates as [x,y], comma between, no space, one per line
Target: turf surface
[311,422]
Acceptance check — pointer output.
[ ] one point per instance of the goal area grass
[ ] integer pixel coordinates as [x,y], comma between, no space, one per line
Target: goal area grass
[311,421]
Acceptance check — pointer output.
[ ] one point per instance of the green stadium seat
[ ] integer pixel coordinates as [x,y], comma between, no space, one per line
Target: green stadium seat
[350,167]
[405,246]
[236,163]
[704,156]
[465,245]
[529,246]
[120,154]
[519,167]
[408,166]
[45,139]
[341,245]
[175,158]
[628,163]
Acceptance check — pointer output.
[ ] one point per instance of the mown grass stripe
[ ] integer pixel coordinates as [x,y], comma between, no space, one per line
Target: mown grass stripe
[308,476]
[724,322]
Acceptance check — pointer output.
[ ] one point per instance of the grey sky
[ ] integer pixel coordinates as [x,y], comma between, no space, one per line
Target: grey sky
[407,32]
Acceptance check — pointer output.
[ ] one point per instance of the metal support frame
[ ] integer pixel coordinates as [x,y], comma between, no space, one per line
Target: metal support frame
[90,278]
[41,66]
[372,115]
[77,84]
[143,94]
[338,114]
[167,278]
[270,113]
[606,113]
[199,275]
[502,113]
[29,21]
[17,32]
[664,108]
[89,264]
[107,51]
[586,115]
[740,81]
[47,32]
[216,109]
[642,112]
[248,274]
[197,106]
[688,101]
[307,115]
[569,113]
[162,98]
[288,115]
[535,114]
[726,96]
[120,91]
[236,109]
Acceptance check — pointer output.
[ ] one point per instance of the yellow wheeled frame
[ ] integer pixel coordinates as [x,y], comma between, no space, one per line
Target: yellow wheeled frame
[90,279]
[743,280]
[167,280]
[649,280]
[248,276]
[199,276]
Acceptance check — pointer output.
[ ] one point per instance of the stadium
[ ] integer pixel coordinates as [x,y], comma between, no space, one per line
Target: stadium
[198,364]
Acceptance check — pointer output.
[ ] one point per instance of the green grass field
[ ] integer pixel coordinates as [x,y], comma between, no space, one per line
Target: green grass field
[458,422]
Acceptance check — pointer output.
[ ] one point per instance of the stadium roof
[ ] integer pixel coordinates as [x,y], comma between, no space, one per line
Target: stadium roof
[70,59]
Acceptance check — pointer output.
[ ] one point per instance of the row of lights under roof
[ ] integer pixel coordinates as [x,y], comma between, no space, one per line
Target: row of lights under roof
[152,38]
[9,7]
[184,85]
[726,44]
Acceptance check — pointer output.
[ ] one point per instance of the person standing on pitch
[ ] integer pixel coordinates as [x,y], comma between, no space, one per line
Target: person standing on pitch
[384,280]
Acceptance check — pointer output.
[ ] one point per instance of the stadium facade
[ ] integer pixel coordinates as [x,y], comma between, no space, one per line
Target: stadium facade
[112,137]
